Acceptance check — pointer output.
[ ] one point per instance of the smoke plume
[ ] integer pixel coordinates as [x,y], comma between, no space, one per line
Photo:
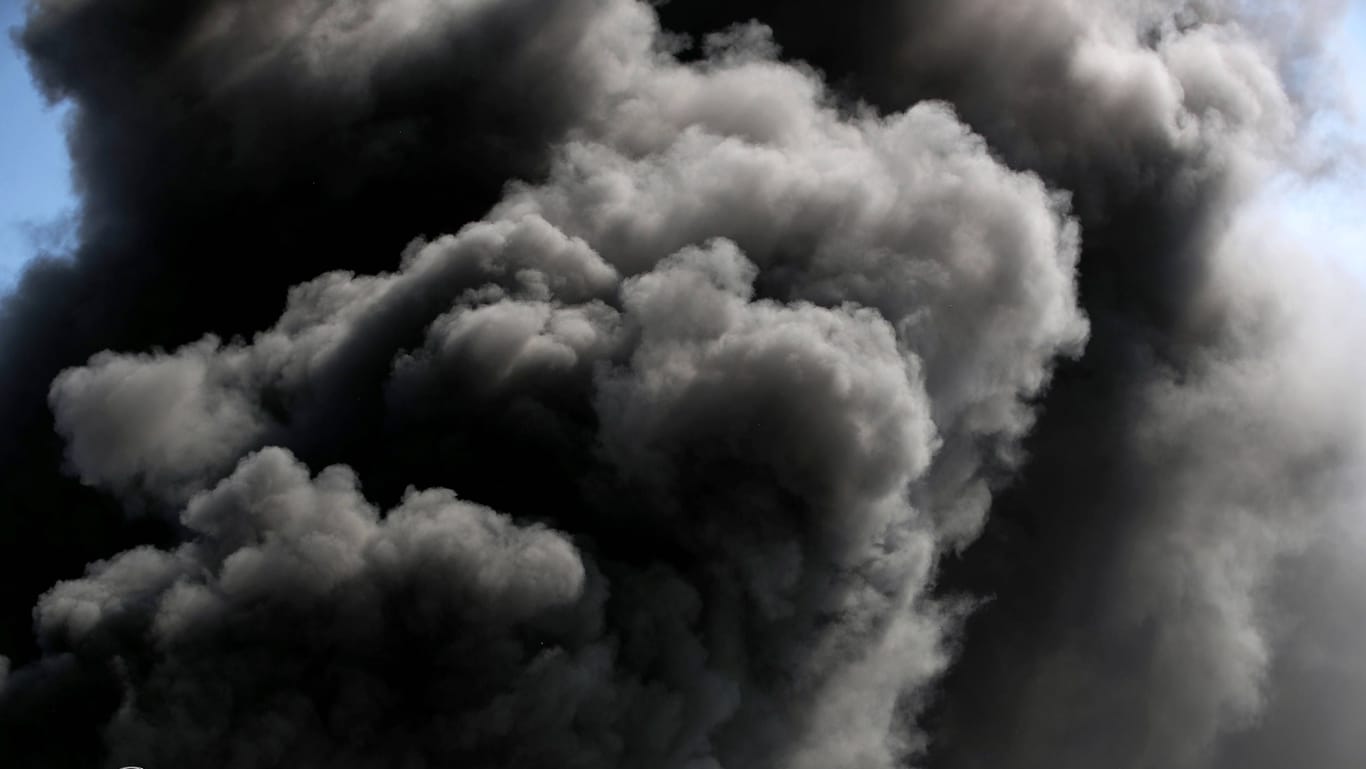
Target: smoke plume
[750,385]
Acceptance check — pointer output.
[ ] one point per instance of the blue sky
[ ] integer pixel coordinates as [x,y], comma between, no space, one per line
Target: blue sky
[35,183]
[1326,216]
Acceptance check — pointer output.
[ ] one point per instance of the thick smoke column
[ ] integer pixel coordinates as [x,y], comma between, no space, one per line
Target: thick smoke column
[1213,426]
[726,434]
[755,360]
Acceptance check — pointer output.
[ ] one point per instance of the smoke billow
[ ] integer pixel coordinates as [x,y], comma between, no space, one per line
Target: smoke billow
[579,383]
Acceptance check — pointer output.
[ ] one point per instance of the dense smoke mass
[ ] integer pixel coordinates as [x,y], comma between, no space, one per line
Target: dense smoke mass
[746,385]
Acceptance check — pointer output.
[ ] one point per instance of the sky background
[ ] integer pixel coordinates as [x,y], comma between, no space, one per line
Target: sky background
[1326,214]
[35,179]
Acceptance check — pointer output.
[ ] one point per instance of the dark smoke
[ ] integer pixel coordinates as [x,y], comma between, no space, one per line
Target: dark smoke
[510,383]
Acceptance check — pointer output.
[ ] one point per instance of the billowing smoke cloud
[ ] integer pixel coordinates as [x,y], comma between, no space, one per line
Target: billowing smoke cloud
[721,430]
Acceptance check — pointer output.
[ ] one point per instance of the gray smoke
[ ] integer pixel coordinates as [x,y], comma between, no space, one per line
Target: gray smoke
[778,319]
[727,434]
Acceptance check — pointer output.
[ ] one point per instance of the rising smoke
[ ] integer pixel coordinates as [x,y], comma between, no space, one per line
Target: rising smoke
[578,383]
